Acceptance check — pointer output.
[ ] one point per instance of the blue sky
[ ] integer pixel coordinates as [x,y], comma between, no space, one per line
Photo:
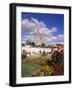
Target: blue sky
[52,24]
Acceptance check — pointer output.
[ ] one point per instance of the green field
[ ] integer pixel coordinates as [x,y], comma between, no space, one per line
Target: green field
[29,68]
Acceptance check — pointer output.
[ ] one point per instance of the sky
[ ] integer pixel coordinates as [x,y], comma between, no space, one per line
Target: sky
[51,26]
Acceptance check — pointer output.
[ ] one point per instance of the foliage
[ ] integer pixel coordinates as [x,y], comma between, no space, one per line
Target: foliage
[43,45]
[57,62]
[28,42]
[43,53]
[41,60]
[24,56]
[58,69]
[44,71]
[33,44]
[52,64]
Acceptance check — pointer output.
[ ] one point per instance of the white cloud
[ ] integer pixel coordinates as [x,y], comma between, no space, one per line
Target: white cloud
[54,37]
[31,26]
[27,25]
[35,21]
[54,29]
[61,36]
[42,24]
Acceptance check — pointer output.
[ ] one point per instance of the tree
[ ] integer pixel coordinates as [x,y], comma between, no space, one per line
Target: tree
[28,42]
[43,45]
[33,44]
[23,44]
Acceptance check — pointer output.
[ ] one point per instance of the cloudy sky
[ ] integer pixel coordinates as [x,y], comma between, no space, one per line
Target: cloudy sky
[51,27]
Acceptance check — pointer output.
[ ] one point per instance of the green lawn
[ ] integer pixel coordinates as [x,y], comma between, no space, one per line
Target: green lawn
[29,68]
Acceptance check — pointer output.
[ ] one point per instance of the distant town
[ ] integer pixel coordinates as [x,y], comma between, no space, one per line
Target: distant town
[30,48]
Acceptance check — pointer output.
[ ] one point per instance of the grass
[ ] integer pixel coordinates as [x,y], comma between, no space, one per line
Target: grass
[32,64]
[29,68]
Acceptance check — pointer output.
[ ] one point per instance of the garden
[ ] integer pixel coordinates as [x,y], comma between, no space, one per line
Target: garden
[44,64]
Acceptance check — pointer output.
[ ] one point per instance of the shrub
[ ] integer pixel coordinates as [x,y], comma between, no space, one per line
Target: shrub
[58,69]
[58,57]
[44,71]
[24,56]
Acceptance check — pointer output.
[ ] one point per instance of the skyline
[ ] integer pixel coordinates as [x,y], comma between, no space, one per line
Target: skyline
[50,25]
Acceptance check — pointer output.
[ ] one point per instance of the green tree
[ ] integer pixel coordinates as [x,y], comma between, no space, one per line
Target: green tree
[33,44]
[28,42]
[43,45]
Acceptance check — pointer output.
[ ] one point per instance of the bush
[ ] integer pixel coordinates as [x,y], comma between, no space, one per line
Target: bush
[24,56]
[44,71]
[58,57]
[58,69]
[57,61]
[42,60]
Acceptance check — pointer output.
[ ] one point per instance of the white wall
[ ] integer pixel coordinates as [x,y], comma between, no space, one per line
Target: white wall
[4,44]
